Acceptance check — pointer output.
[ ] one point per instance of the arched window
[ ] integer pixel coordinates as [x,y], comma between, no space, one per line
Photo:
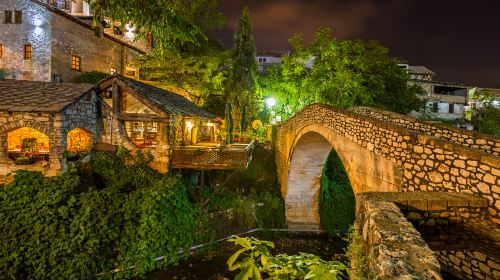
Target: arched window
[26,145]
[78,140]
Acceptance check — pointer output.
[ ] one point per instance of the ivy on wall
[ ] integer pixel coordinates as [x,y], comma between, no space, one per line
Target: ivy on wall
[75,226]
[336,198]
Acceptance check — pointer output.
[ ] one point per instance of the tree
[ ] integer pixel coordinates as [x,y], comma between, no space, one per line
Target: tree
[200,76]
[486,118]
[240,85]
[175,24]
[341,73]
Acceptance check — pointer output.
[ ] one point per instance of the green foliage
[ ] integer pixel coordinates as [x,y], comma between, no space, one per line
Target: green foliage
[197,75]
[255,260]
[74,227]
[92,77]
[253,194]
[175,25]
[486,119]
[356,253]
[3,74]
[336,198]
[340,73]
[240,84]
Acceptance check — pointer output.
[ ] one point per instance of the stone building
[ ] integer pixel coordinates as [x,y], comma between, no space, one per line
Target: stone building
[42,41]
[41,121]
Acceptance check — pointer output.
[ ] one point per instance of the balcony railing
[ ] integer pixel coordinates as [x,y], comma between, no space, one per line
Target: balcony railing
[209,156]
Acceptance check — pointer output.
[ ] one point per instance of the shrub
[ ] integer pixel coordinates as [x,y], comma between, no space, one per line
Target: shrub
[356,253]
[336,198]
[73,227]
[3,74]
[258,261]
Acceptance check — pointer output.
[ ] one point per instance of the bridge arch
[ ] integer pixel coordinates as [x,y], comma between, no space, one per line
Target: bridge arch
[307,156]
[381,155]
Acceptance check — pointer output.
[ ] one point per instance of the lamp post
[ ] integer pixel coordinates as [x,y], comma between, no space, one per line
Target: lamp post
[270,102]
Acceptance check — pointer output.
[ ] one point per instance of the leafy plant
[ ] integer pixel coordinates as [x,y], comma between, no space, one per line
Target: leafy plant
[341,73]
[75,227]
[336,197]
[255,261]
[356,253]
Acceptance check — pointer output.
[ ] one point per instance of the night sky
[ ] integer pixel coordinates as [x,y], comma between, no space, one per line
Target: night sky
[458,39]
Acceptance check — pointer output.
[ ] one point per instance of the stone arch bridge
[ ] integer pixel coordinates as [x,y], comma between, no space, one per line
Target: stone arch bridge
[381,151]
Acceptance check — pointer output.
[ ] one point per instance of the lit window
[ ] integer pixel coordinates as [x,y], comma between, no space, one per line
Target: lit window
[113,70]
[1,51]
[27,52]
[8,16]
[142,134]
[18,17]
[130,73]
[27,145]
[75,63]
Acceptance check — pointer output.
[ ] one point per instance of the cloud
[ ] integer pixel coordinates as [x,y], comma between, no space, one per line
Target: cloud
[275,21]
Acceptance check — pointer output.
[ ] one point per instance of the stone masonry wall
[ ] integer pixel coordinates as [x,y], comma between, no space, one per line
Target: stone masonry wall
[395,249]
[454,226]
[475,140]
[429,163]
[468,251]
[116,134]
[34,30]
[81,113]
[96,53]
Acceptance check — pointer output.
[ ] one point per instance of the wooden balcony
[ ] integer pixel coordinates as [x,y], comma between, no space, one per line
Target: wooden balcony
[206,156]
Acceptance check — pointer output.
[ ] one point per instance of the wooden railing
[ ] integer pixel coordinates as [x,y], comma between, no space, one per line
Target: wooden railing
[234,156]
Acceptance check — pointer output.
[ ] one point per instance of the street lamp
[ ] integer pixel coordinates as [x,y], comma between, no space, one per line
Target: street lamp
[270,102]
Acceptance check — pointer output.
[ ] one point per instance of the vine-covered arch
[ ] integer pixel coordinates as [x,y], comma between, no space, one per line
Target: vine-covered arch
[306,160]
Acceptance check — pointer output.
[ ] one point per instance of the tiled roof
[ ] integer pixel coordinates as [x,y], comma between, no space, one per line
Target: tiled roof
[420,70]
[170,102]
[29,96]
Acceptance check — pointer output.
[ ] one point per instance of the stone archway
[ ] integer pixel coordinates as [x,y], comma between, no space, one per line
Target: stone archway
[304,176]
[78,140]
[308,154]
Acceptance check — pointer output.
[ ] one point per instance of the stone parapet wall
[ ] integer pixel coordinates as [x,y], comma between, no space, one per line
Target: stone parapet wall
[436,208]
[465,246]
[394,247]
[475,140]
[428,163]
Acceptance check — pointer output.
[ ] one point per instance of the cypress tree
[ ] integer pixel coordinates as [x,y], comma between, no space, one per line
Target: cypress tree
[240,86]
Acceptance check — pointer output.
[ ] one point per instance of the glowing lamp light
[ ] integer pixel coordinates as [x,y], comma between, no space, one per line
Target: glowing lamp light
[37,22]
[270,102]
[189,125]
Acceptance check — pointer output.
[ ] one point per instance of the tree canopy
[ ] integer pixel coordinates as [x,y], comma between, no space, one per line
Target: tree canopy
[342,73]
[175,24]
